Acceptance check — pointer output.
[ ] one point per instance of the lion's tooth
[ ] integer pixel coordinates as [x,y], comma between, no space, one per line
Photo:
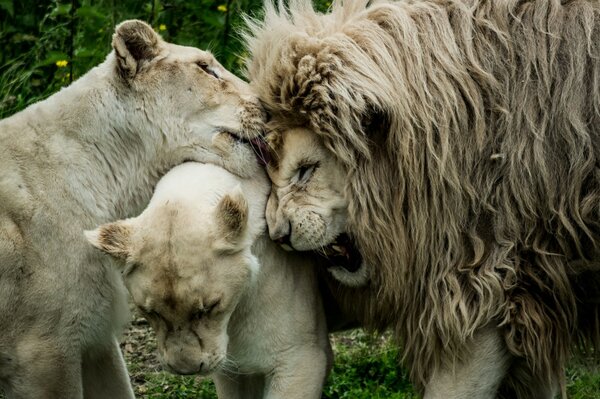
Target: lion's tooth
[287,247]
[337,248]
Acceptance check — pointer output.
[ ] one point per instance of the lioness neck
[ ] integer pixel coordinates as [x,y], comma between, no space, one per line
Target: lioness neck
[97,129]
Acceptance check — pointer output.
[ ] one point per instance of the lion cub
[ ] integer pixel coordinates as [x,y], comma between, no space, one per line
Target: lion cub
[221,296]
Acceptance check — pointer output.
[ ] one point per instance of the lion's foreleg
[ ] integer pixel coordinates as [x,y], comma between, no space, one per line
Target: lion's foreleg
[522,382]
[478,375]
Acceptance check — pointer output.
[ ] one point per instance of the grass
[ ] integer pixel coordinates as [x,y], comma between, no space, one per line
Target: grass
[365,367]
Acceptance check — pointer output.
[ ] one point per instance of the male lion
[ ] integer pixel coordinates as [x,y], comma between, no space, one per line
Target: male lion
[187,260]
[89,154]
[451,148]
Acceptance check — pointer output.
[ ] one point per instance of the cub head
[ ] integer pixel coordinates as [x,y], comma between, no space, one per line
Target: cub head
[179,92]
[186,268]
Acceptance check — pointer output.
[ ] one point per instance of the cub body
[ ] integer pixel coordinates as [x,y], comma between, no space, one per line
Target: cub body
[222,297]
[89,154]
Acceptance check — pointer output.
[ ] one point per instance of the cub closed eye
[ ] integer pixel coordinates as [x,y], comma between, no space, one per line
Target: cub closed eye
[201,313]
[206,68]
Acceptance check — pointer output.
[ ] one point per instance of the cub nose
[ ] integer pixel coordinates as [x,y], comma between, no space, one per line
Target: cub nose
[185,369]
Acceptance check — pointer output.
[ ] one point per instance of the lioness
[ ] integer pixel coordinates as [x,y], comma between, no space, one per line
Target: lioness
[89,154]
[187,260]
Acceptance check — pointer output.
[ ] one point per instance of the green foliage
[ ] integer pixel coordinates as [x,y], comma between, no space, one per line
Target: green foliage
[583,383]
[366,367]
[163,385]
[47,44]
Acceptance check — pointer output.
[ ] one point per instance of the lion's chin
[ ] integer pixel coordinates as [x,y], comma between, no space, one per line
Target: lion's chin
[342,252]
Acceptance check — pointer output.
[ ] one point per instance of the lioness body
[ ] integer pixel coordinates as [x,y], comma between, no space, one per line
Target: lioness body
[457,143]
[222,297]
[88,154]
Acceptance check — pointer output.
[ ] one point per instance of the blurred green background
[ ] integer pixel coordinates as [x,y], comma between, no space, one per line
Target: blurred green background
[44,45]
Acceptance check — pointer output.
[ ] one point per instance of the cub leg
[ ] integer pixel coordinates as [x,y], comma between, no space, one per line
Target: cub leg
[300,374]
[480,373]
[239,386]
[105,374]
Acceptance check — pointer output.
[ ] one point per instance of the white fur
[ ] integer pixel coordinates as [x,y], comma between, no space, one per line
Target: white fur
[272,332]
[89,154]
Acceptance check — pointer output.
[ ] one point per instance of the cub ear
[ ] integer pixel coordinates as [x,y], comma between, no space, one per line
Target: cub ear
[112,238]
[232,217]
[134,42]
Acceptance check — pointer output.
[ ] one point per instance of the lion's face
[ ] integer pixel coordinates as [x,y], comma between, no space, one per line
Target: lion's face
[307,209]
[186,269]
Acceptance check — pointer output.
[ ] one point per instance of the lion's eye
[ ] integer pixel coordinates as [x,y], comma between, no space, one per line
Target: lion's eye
[206,68]
[304,173]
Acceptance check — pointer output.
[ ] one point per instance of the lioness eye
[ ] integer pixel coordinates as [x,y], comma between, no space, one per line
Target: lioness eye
[206,68]
[304,173]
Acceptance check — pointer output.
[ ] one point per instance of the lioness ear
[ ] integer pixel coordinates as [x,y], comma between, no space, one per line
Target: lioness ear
[134,42]
[232,217]
[112,238]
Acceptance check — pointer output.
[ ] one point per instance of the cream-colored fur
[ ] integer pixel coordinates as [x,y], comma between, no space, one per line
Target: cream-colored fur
[307,201]
[190,263]
[89,154]
[466,137]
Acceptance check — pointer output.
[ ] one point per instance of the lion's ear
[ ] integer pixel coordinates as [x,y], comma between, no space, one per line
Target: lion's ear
[112,238]
[232,219]
[134,43]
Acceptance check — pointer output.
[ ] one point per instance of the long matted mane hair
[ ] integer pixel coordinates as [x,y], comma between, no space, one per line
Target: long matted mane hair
[471,133]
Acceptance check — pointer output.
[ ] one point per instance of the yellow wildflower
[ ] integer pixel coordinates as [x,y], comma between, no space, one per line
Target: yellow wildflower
[222,8]
[62,63]
[162,27]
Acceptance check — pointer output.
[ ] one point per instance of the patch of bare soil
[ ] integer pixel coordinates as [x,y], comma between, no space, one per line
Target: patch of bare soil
[139,348]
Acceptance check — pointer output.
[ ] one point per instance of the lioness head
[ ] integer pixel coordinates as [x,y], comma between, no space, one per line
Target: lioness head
[185,277]
[181,93]
[307,208]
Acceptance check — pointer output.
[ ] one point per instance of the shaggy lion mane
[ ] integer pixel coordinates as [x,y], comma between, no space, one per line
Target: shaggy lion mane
[470,132]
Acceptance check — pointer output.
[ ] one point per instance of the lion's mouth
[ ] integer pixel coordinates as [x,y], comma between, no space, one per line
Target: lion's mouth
[342,252]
